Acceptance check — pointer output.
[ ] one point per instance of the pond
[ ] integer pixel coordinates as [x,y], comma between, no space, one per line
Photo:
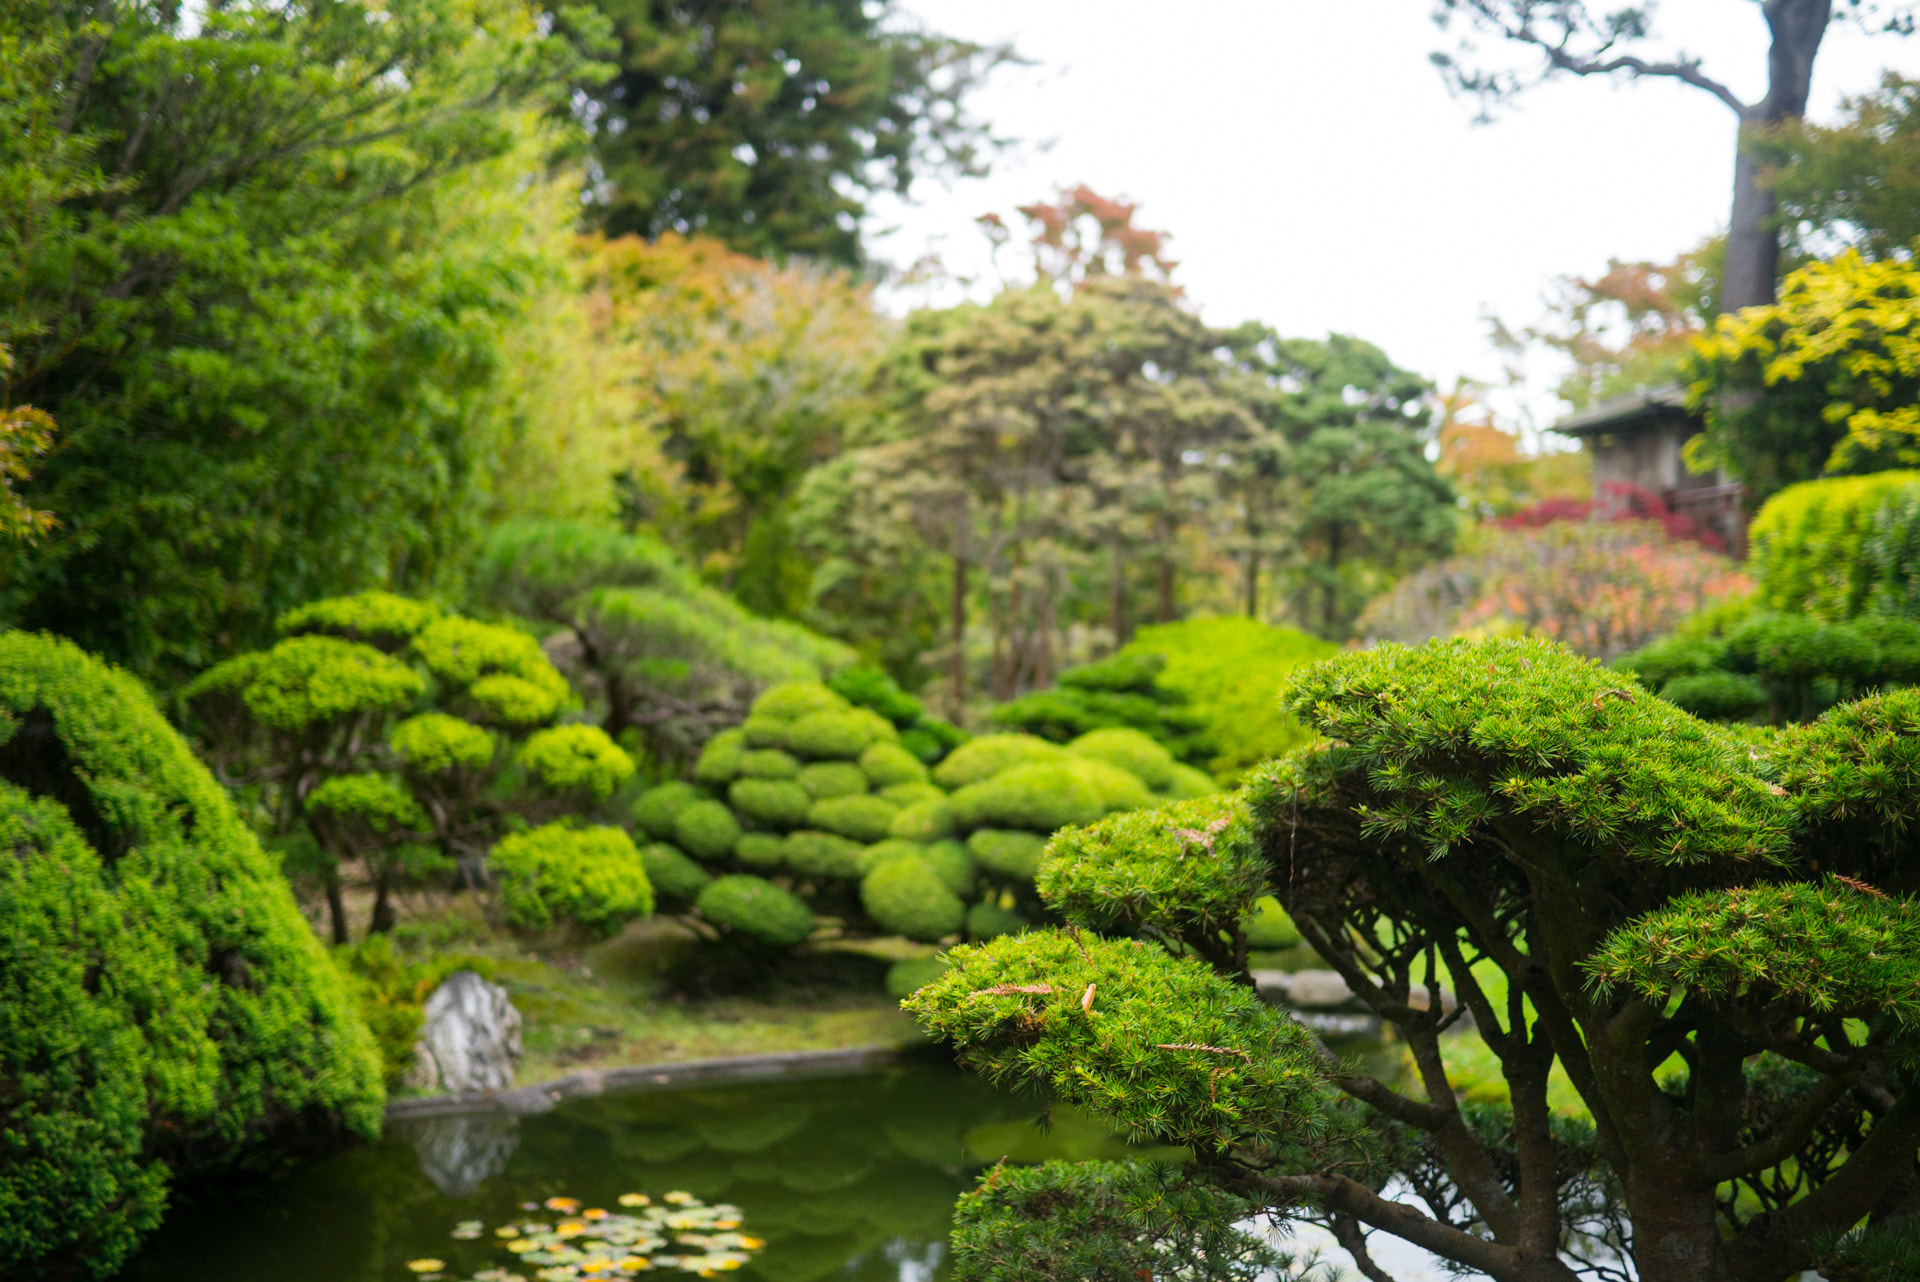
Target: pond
[850,1177]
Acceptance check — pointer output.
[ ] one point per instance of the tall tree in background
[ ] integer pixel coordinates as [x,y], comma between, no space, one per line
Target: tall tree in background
[239,273]
[771,123]
[1858,181]
[1573,39]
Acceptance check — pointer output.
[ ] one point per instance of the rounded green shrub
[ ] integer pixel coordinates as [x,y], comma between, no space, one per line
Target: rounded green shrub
[1268,927]
[993,754]
[928,820]
[162,1001]
[762,850]
[379,619]
[1130,750]
[1187,783]
[771,803]
[881,851]
[907,897]
[887,764]
[1119,789]
[719,762]
[789,700]
[764,732]
[822,854]
[706,830]
[434,741]
[990,921]
[576,759]
[903,977]
[672,874]
[1009,853]
[1717,696]
[654,810]
[756,908]
[521,685]
[1040,797]
[769,763]
[559,873]
[957,870]
[908,794]
[826,779]
[838,736]
[858,818]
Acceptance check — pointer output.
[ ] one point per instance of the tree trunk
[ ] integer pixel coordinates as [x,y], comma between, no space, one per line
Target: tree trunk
[957,664]
[384,916]
[1753,242]
[336,905]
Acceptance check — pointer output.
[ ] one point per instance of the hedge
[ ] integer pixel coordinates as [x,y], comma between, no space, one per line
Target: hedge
[1839,548]
[908,897]
[162,1001]
[758,909]
[560,873]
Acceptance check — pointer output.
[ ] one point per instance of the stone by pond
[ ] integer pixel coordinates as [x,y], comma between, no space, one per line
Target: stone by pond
[848,1177]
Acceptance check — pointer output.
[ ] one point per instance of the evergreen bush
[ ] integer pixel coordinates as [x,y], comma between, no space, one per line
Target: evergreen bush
[706,830]
[888,764]
[561,873]
[761,851]
[1130,750]
[671,874]
[912,794]
[1043,796]
[757,909]
[1013,855]
[992,754]
[837,735]
[824,779]
[1119,692]
[719,761]
[769,763]
[907,897]
[863,818]
[654,809]
[771,803]
[1835,549]
[822,854]
[928,820]
[163,1004]
[881,851]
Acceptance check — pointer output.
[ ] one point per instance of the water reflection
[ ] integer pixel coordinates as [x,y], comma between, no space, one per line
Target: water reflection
[850,1178]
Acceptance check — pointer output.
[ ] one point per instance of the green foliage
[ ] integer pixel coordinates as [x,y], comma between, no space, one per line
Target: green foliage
[1836,549]
[281,303]
[771,803]
[1717,696]
[1131,751]
[954,866]
[375,800]
[837,736]
[790,700]
[1225,1067]
[1187,871]
[912,794]
[706,830]
[1105,1222]
[1121,692]
[757,909]
[772,128]
[1230,670]
[1267,927]
[988,920]
[907,896]
[826,779]
[477,757]
[1042,797]
[560,873]
[1825,949]
[666,655]
[881,851]
[576,760]
[720,760]
[761,851]
[1012,854]
[903,977]
[863,819]
[887,764]
[1823,382]
[765,733]
[823,854]
[672,874]
[654,809]
[162,1002]
[769,763]
[990,755]
[928,820]
[927,737]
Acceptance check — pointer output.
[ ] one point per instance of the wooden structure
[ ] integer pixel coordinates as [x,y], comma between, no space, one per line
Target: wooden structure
[1636,441]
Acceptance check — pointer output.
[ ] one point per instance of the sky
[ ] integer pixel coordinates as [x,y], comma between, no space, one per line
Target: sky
[1317,176]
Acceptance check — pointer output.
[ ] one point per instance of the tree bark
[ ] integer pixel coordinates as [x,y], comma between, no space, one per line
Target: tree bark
[1753,241]
[336,905]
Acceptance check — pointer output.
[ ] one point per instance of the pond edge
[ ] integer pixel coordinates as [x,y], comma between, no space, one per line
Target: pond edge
[542,1096]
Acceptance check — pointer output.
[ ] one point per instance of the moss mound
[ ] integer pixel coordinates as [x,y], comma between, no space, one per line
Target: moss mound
[771,803]
[1042,796]
[672,874]
[162,1002]
[990,755]
[861,818]
[758,909]
[1011,854]
[907,897]
[706,830]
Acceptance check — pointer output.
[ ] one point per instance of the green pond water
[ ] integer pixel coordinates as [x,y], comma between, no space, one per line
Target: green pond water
[849,1177]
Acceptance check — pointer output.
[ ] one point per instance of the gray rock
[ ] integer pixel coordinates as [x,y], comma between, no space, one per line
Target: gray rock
[1318,989]
[470,1040]
[462,1152]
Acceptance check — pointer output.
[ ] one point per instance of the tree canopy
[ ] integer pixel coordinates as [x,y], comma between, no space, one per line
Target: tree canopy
[1709,935]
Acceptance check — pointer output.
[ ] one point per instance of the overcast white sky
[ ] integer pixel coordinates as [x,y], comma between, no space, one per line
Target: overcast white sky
[1316,175]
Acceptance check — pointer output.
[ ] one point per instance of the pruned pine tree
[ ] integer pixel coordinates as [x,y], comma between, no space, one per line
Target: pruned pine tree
[1713,938]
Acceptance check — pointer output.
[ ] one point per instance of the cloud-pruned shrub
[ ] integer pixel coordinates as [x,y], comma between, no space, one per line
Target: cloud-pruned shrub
[562,873]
